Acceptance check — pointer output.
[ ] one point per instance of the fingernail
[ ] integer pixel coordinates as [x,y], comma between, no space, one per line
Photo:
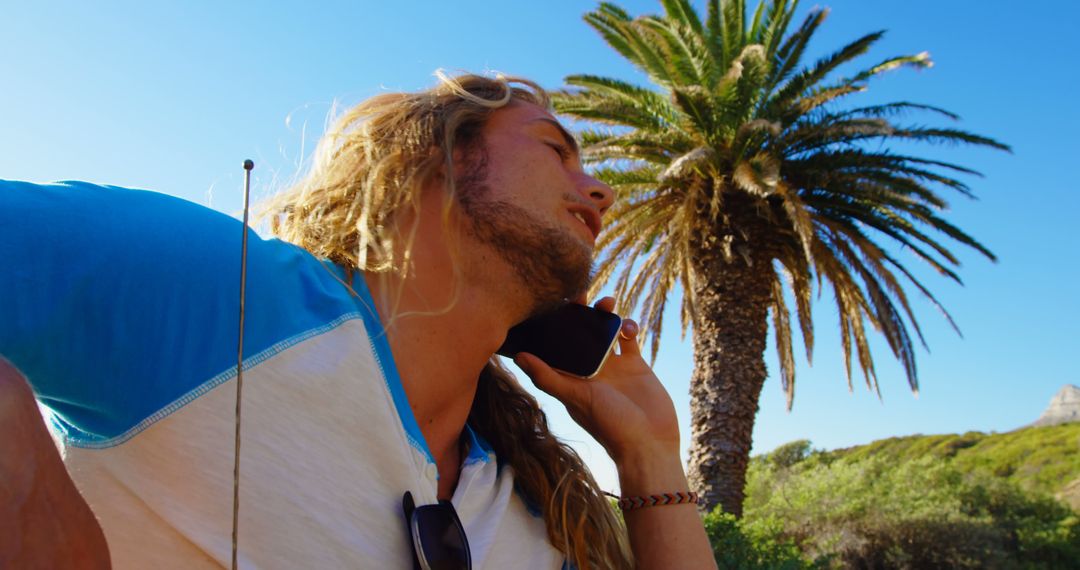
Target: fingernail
[630,328]
[521,362]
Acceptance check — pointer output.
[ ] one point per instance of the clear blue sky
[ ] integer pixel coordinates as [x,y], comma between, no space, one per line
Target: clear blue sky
[172,96]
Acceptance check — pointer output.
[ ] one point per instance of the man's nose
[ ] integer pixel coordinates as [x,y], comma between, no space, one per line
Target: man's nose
[598,193]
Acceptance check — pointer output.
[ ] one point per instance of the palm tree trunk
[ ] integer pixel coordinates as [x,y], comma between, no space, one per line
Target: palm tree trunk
[730,328]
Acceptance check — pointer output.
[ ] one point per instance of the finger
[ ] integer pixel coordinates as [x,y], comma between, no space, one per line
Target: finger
[560,386]
[581,299]
[607,304]
[628,342]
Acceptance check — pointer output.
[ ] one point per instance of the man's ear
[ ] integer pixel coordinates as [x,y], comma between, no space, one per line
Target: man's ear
[460,161]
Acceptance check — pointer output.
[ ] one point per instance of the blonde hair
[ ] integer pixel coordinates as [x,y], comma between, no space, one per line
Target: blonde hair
[367,173]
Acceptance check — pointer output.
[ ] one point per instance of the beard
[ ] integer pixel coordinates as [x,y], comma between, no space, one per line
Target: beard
[552,265]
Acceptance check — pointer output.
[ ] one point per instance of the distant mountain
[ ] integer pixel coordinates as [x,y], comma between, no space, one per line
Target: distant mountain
[1064,408]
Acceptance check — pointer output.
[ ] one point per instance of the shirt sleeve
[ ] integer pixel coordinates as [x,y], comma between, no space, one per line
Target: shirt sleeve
[121,305]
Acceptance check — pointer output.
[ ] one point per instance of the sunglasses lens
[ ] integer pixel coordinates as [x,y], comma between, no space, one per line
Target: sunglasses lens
[442,539]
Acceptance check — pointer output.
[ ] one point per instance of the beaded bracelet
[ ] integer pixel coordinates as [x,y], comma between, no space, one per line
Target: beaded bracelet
[634,503]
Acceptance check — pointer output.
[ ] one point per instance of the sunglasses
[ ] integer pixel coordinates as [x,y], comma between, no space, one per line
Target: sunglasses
[437,537]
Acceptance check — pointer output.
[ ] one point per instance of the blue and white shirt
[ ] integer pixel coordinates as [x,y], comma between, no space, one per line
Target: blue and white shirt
[120,308]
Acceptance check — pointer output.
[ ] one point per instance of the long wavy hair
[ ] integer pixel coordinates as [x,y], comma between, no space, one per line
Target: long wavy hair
[367,172]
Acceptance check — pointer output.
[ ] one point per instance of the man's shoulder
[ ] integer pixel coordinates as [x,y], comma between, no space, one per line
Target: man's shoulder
[125,302]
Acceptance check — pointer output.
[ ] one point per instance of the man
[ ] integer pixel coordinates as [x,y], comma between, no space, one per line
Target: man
[429,225]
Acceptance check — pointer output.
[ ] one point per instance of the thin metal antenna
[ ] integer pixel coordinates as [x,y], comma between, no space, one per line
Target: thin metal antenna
[248,166]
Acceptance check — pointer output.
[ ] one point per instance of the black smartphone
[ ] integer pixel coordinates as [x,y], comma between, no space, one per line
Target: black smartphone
[574,338]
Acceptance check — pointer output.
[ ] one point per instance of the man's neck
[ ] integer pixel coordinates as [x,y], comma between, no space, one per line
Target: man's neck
[441,341]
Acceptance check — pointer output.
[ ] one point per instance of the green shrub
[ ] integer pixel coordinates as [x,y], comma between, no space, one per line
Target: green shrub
[918,543]
[879,511]
[789,454]
[1039,459]
[1040,531]
[759,545]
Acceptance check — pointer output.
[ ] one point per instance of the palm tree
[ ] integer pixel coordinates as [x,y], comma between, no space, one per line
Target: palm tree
[742,180]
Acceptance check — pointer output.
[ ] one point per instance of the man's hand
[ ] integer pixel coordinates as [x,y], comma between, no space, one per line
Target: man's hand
[627,409]
[44,521]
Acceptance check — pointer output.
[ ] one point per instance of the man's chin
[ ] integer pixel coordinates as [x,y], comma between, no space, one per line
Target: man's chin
[548,301]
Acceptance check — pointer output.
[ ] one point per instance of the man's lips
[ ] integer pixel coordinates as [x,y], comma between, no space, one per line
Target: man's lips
[589,217]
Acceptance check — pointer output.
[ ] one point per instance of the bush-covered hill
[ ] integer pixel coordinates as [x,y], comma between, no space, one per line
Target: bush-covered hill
[1038,459]
[960,501]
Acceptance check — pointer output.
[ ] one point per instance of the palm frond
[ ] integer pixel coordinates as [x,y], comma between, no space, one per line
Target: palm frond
[918,61]
[802,82]
[797,270]
[884,314]
[682,12]
[895,109]
[619,31]
[874,258]
[641,112]
[782,330]
[786,59]
[953,136]
[648,102]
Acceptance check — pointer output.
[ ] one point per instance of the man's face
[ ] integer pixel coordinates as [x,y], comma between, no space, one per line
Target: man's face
[528,198]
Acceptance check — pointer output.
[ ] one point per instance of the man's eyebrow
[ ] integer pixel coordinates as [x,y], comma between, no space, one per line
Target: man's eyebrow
[569,138]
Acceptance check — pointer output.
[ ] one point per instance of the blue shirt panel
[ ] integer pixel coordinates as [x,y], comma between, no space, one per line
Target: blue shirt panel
[122,305]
